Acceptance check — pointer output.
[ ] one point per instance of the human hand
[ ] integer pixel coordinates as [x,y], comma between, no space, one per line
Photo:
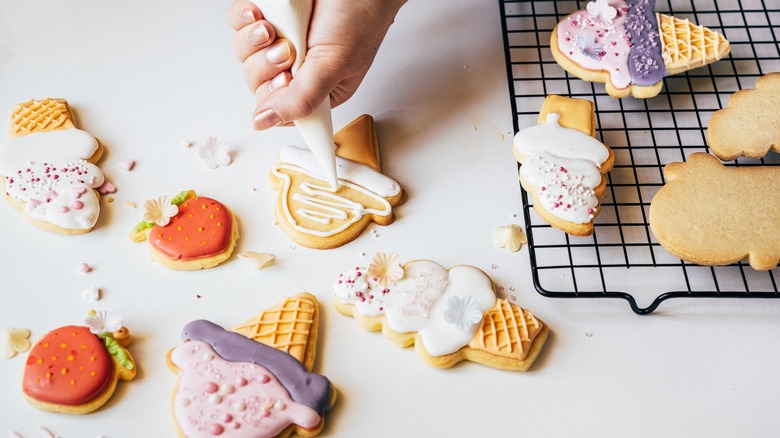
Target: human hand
[344,37]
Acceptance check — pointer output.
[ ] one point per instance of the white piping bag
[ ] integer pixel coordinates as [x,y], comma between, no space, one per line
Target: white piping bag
[291,20]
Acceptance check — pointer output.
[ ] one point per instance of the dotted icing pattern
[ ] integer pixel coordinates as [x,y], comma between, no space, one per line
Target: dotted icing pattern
[201,228]
[69,366]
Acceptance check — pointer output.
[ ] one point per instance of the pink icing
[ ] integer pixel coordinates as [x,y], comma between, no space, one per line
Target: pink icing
[613,38]
[215,397]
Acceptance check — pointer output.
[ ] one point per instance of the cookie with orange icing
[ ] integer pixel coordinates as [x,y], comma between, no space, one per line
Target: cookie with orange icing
[187,232]
[75,369]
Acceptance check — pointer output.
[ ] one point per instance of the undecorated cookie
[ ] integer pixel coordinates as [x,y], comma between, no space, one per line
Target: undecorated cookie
[750,125]
[49,168]
[630,48]
[313,215]
[710,214]
[75,369]
[187,232]
[254,381]
[563,166]
[449,315]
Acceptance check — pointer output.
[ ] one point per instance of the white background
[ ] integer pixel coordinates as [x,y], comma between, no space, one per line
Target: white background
[144,75]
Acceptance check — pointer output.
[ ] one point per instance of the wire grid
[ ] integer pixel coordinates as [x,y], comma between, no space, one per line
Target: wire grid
[622,259]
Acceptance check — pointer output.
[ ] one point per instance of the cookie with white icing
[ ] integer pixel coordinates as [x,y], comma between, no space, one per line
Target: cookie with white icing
[449,315]
[254,381]
[630,48]
[187,232]
[563,166]
[48,168]
[713,215]
[313,215]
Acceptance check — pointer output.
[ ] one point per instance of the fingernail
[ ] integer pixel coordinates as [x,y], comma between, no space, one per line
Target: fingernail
[247,16]
[278,53]
[258,35]
[267,119]
[277,82]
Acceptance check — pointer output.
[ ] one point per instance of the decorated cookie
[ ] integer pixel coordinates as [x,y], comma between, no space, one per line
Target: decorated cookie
[750,125]
[75,369]
[311,214]
[449,315]
[563,165]
[710,214]
[187,232]
[626,45]
[49,168]
[255,381]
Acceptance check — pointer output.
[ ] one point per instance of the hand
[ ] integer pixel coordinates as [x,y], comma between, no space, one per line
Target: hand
[344,37]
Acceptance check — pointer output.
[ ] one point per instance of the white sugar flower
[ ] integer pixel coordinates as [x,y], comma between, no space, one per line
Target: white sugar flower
[104,322]
[215,153]
[462,312]
[385,268]
[510,237]
[159,211]
[600,10]
[14,341]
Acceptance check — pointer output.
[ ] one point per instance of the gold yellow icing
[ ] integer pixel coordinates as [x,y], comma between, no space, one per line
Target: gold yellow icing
[507,330]
[39,116]
[358,142]
[574,113]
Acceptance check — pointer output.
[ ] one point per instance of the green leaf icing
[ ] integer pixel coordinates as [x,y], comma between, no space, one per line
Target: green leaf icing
[177,201]
[117,351]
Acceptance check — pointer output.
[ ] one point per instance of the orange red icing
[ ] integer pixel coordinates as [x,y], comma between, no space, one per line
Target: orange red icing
[201,228]
[69,366]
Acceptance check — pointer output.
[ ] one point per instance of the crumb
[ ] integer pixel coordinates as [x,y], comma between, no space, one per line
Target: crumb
[185,143]
[130,204]
[84,267]
[91,293]
[109,199]
[126,165]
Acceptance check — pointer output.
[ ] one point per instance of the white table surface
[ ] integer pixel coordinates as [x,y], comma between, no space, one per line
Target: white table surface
[144,75]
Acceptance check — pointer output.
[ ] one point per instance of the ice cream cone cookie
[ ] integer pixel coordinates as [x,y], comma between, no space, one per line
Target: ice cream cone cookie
[563,165]
[48,168]
[187,232]
[313,215]
[630,48]
[713,215]
[449,315]
[75,369]
[254,381]
[750,125]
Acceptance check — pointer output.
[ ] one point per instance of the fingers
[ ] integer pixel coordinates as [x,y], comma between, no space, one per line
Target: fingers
[252,38]
[266,64]
[243,12]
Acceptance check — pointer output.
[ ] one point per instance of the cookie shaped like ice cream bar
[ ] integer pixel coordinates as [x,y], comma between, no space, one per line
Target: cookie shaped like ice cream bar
[563,166]
[626,45]
[449,315]
[315,216]
[255,381]
[49,168]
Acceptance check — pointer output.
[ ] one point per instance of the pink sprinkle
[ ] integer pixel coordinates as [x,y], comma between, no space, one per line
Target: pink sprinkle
[227,418]
[211,387]
[216,429]
[78,205]
[64,209]
[106,188]
[84,267]
[264,378]
[126,165]
[358,274]
[590,210]
[197,295]
[242,382]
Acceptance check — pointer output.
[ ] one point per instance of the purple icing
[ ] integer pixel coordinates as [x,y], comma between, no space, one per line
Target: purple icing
[312,390]
[645,62]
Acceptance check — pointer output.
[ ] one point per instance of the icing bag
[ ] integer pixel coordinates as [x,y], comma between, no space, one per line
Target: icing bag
[291,20]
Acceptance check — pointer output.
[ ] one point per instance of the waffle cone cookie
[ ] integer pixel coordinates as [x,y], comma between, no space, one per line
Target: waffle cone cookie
[252,381]
[750,125]
[630,48]
[563,166]
[75,369]
[449,315]
[712,215]
[187,232]
[311,213]
[48,168]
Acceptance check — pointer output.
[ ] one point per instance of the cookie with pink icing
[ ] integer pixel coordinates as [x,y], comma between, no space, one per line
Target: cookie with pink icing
[630,48]
[48,168]
[233,384]
[449,315]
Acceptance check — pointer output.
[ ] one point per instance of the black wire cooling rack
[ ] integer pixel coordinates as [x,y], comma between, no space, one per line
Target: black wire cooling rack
[622,259]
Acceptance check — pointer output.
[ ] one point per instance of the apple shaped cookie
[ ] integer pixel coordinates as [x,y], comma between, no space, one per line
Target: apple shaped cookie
[49,168]
[311,213]
[255,381]
[630,48]
[75,369]
[187,232]
[449,315]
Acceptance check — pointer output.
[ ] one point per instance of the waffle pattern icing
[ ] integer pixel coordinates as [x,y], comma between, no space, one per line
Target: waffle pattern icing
[687,45]
[40,115]
[507,331]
